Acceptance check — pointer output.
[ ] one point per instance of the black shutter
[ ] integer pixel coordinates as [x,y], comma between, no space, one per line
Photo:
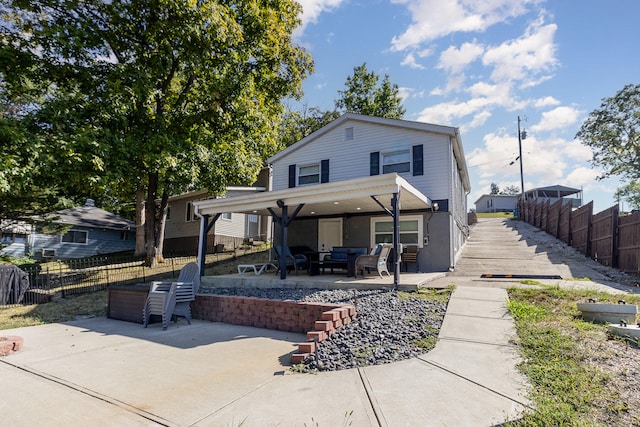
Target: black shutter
[417,160]
[292,176]
[374,163]
[324,171]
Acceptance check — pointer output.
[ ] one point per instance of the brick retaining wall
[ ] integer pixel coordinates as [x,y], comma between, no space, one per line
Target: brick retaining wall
[317,320]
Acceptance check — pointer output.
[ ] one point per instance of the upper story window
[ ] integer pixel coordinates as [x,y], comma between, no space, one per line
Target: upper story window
[409,159]
[76,236]
[189,215]
[226,215]
[396,161]
[309,174]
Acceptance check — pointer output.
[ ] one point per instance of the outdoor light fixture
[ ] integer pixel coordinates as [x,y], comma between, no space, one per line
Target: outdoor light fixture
[435,206]
[336,203]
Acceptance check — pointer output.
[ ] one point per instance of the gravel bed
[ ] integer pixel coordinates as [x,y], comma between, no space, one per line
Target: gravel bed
[389,326]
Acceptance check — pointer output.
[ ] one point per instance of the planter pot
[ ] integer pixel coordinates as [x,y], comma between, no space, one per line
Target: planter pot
[127,302]
[608,313]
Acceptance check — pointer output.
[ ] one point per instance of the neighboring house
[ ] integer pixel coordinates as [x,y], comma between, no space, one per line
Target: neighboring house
[497,203]
[93,231]
[554,193]
[360,179]
[14,237]
[232,229]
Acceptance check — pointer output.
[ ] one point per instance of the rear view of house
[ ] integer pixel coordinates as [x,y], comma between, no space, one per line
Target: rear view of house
[358,181]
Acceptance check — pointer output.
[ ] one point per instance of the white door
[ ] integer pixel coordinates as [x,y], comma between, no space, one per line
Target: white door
[329,233]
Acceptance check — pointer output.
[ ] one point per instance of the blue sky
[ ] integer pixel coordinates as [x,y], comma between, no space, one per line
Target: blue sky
[478,65]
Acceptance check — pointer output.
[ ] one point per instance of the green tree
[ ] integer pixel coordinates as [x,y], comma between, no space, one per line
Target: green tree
[494,188]
[295,125]
[630,193]
[510,190]
[363,95]
[613,134]
[157,97]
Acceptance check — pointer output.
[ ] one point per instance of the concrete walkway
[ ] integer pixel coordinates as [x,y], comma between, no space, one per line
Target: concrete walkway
[112,373]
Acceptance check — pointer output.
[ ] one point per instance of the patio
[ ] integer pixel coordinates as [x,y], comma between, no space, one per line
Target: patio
[408,281]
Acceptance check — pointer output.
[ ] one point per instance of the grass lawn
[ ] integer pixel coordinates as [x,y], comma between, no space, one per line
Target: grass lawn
[579,375]
[506,215]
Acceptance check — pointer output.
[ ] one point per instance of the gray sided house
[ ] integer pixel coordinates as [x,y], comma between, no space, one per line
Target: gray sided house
[93,231]
[496,203]
[359,181]
[232,229]
[554,193]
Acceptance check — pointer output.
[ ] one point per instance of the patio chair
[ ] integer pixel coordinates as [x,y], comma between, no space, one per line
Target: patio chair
[297,262]
[410,254]
[377,261]
[172,299]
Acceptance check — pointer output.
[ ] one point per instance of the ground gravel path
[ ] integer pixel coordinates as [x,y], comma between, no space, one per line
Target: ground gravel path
[389,325]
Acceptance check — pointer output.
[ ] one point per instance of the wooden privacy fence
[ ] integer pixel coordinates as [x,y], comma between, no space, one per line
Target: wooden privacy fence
[608,237]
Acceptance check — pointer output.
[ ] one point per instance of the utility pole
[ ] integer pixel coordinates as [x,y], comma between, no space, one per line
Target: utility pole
[521,135]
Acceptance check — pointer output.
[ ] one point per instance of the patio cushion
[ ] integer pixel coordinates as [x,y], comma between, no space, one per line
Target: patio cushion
[339,253]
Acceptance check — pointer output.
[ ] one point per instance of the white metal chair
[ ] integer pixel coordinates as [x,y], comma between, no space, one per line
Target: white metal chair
[172,299]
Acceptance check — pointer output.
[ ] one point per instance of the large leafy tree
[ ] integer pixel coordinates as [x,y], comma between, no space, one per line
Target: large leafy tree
[613,134]
[157,97]
[296,125]
[363,94]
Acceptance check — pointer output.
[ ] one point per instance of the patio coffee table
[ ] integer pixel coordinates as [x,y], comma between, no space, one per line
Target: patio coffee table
[258,269]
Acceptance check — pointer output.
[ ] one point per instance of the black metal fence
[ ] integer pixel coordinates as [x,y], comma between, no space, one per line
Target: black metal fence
[60,279]
[54,280]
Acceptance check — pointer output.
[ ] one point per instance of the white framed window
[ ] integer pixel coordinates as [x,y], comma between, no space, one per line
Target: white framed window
[410,230]
[309,174]
[226,216]
[79,237]
[396,161]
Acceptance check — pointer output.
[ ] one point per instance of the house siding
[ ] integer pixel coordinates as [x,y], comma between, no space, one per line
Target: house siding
[437,176]
[99,241]
[351,159]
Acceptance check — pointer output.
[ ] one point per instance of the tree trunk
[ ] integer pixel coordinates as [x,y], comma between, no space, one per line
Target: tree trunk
[150,221]
[164,207]
[140,222]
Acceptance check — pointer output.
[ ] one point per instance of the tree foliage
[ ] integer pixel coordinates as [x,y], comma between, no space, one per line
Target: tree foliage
[296,125]
[613,134]
[363,95]
[494,188]
[164,95]
[630,193]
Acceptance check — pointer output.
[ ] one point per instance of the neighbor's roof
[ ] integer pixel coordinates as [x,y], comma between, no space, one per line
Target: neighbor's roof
[496,195]
[564,191]
[452,132]
[92,217]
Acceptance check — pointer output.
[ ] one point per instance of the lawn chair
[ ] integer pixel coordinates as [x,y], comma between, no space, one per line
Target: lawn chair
[377,261]
[297,262]
[410,255]
[173,299]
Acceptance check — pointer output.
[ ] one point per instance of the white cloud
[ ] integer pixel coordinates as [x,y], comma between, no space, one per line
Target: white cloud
[525,58]
[454,60]
[311,10]
[547,101]
[558,118]
[432,19]
[410,61]
[582,176]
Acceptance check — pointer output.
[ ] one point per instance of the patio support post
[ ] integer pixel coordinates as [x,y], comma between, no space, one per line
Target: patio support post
[284,221]
[395,206]
[205,227]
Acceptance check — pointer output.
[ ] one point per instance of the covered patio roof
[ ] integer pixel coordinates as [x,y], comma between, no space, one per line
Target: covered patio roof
[334,198]
[387,193]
